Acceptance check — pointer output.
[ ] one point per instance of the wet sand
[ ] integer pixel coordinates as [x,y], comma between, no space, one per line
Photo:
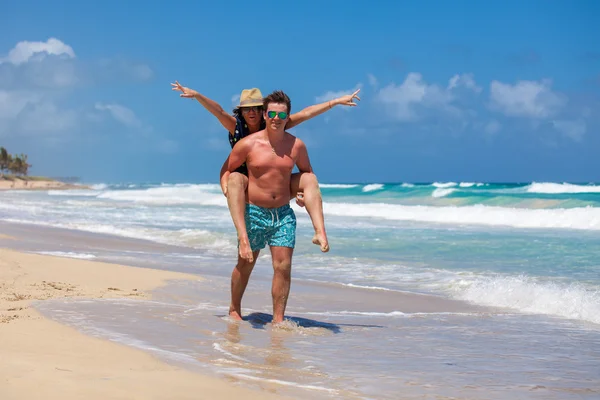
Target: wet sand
[44,359]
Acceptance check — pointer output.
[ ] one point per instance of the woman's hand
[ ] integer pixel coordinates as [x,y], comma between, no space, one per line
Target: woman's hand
[347,100]
[185,92]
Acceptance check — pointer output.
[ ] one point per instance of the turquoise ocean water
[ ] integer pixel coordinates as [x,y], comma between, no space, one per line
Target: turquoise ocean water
[521,260]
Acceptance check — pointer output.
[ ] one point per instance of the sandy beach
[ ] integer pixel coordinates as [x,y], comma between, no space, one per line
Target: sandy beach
[44,359]
[409,312]
[20,184]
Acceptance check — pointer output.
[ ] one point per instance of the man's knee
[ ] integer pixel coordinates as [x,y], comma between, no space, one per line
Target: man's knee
[282,266]
[244,267]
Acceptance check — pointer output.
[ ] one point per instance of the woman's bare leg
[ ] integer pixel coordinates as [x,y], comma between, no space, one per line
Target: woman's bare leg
[236,200]
[307,183]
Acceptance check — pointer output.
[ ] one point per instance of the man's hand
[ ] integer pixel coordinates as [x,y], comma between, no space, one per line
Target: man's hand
[185,92]
[348,100]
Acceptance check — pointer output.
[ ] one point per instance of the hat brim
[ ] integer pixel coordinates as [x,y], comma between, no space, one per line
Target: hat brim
[253,103]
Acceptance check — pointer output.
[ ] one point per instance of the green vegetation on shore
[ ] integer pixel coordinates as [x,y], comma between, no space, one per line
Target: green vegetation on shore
[8,177]
[15,164]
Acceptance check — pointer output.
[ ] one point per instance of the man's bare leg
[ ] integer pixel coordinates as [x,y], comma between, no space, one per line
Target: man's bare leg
[236,200]
[308,184]
[239,281]
[282,278]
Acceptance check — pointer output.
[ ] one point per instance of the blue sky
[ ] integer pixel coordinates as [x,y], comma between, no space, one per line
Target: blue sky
[451,91]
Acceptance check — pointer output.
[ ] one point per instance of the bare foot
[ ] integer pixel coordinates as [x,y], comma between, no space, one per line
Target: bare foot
[245,251]
[321,240]
[235,315]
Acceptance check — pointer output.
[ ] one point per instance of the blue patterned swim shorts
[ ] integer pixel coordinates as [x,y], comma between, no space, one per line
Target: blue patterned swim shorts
[272,226]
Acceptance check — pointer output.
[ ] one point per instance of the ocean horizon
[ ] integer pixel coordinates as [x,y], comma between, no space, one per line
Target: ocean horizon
[456,289]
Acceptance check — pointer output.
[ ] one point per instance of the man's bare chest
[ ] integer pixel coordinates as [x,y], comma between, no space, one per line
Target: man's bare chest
[265,158]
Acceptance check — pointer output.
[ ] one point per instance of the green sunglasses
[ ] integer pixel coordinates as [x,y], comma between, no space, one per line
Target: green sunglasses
[281,115]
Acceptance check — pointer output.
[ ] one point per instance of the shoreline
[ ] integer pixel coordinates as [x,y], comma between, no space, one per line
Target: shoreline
[45,359]
[46,184]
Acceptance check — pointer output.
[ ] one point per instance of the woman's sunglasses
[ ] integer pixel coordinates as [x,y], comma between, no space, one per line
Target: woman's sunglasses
[281,115]
[246,110]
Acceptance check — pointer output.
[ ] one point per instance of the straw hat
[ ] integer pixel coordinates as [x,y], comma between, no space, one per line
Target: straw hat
[251,98]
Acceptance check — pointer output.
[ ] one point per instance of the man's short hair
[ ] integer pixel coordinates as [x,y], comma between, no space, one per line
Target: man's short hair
[278,97]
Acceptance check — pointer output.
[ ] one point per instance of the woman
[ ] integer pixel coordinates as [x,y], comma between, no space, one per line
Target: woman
[247,119]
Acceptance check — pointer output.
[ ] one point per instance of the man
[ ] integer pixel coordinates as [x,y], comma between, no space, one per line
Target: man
[248,119]
[270,156]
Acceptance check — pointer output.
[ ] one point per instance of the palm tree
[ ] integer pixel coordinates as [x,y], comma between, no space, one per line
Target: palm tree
[5,160]
[24,165]
[16,165]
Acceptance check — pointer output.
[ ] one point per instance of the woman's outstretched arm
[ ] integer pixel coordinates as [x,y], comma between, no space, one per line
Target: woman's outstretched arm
[317,109]
[227,120]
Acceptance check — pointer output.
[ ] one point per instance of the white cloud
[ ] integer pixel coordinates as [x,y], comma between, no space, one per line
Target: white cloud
[403,101]
[25,113]
[235,100]
[50,73]
[120,113]
[575,129]
[492,127]
[46,117]
[13,102]
[525,99]
[464,80]
[330,95]
[34,82]
[53,64]
[372,80]
[25,51]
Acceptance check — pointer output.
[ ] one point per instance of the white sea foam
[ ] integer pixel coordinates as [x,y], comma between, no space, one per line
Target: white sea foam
[444,184]
[557,188]
[68,254]
[170,195]
[206,306]
[587,218]
[372,187]
[359,314]
[285,383]
[73,193]
[183,237]
[471,184]
[366,287]
[388,314]
[531,295]
[99,186]
[524,294]
[442,192]
[220,349]
[407,185]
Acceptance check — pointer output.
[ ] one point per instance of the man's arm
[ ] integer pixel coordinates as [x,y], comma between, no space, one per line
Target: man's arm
[302,159]
[227,120]
[317,109]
